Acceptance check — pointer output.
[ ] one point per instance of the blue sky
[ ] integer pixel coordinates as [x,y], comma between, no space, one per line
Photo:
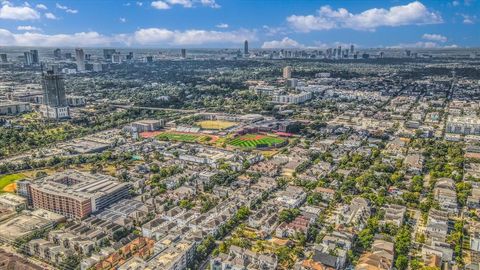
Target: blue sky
[226,23]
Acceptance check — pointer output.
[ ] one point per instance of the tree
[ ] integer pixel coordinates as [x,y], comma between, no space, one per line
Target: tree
[288,215]
[186,204]
[314,199]
[242,213]
[463,191]
[40,174]
[154,168]
[402,262]
[365,238]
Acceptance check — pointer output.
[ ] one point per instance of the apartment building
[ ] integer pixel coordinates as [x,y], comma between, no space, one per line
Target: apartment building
[463,125]
[76,194]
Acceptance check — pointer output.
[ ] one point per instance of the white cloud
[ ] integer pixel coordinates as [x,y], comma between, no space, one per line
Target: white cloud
[222,25]
[142,37]
[28,28]
[31,39]
[285,43]
[455,3]
[50,16]
[152,36]
[139,4]
[166,4]
[210,3]
[420,44]
[414,13]
[435,37]
[60,6]
[160,5]
[67,9]
[423,45]
[468,19]
[41,6]
[123,20]
[184,3]
[10,12]
[288,43]
[274,31]
[6,38]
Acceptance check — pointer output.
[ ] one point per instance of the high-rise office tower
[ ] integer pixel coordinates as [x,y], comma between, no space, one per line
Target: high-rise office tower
[68,55]
[97,67]
[116,58]
[35,58]
[287,72]
[57,53]
[408,53]
[88,57]
[28,58]
[130,56]
[184,53]
[245,47]
[3,58]
[55,103]
[80,58]
[339,52]
[107,53]
[149,59]
[292,83]
[329,53]
[352,49]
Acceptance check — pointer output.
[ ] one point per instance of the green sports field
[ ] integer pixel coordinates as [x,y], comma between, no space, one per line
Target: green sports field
[255,140]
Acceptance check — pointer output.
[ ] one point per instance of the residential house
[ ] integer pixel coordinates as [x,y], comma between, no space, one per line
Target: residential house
[379,258]
[446,195]
[394,214]
[355,214]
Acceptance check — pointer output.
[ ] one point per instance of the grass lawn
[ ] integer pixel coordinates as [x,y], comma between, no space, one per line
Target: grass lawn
[8,179]
[183,137]
[269,153]
[216,124]
[178,137]
[253,140]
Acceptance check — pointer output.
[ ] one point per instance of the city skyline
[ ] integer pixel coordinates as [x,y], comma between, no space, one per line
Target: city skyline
[239,134]
[222,24]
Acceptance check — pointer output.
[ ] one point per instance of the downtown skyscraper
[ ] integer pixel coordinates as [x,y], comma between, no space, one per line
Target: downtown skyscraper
[80,58]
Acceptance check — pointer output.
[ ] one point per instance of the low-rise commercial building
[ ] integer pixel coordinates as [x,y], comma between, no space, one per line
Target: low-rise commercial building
[13,107]
[148,125]
[27,224]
